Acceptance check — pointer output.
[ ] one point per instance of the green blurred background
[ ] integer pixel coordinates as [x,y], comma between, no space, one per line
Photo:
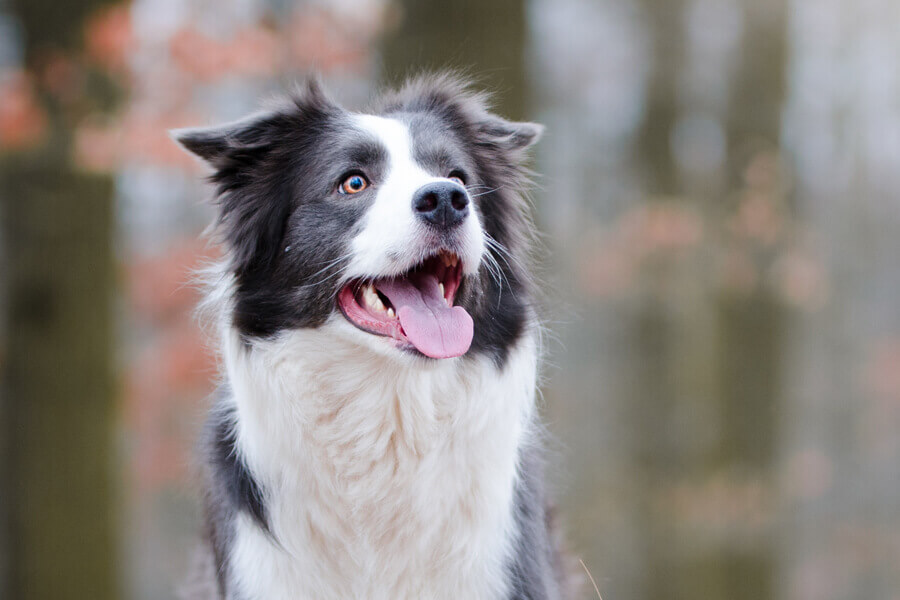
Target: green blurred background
[720,198]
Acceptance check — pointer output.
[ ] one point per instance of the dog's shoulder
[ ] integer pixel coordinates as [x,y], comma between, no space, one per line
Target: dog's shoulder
[228,489]
[202,582]
[541,568]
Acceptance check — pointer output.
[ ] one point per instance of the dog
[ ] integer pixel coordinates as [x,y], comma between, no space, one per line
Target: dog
[375,435]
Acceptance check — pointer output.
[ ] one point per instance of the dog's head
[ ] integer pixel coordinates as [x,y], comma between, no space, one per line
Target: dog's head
[408,222]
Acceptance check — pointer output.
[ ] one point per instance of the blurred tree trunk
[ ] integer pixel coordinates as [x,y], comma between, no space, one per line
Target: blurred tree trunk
[752,326]
[483,38]
[58,392]
[658,168]
[57,371]
[651,329]
[742,386]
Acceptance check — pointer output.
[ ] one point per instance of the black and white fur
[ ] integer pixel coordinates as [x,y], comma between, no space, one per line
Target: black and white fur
[338,465]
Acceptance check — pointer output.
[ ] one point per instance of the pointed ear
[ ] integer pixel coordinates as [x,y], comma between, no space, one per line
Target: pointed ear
[251,137]
[217,144]
[509,135]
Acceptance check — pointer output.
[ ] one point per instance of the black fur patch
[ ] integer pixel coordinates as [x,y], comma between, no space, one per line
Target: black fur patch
[234,478]
[534,569]
[230,488]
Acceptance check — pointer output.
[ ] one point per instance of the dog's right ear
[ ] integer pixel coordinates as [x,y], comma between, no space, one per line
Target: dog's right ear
[253,184]
[250,217]
[240,142]
[221,144]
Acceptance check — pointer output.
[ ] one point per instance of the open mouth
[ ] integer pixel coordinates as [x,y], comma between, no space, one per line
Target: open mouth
[415,309]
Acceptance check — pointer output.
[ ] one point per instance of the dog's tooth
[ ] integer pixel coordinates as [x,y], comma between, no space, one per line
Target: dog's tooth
[445,258]
[372,298]
[390,312]
[441,287]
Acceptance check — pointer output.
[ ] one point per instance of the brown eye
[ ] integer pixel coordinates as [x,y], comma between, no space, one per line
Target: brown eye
[457,177]
[354,184]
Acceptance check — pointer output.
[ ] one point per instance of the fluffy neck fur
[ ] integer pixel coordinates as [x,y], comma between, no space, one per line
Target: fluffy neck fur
[383,476]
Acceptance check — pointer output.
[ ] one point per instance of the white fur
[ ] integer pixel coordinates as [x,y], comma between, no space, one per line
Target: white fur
[387,476]
[392,239]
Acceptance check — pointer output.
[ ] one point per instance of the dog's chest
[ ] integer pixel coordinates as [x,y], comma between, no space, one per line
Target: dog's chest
[386,483]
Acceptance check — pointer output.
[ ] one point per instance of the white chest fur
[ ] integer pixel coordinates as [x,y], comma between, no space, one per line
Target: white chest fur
[384,478]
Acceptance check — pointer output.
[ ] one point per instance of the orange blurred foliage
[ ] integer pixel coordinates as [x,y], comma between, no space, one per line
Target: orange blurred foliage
[611,261]
[800,279]
[757,219]
[172,367]
[881,375]
[23,122]
[138,136]
[326,40]
[109,37]
[251,51]
[159,287]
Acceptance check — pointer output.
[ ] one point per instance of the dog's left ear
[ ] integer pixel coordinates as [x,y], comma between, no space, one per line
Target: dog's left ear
[508,135]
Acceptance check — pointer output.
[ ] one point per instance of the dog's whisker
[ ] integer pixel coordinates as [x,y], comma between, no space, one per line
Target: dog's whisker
[504,253]
[330,264]
[496,274]
[487,192]
[343,269]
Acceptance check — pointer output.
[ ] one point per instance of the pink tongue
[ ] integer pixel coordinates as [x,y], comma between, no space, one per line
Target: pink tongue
[435,329]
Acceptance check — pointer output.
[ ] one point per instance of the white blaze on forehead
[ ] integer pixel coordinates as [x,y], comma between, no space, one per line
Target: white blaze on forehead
[394,135]
[392,235]
[390,221]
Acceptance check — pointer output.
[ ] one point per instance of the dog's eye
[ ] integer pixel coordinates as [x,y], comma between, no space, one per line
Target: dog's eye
[458,177]
[354,184]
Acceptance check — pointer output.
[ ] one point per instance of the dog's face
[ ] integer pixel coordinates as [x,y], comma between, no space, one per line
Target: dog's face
[408,223]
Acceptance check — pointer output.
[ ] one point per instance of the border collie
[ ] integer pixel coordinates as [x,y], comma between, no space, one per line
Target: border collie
[375,434]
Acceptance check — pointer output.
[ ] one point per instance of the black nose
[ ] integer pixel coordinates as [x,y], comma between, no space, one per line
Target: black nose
[442,204]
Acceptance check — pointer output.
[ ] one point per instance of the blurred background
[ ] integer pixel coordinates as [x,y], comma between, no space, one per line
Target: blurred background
[720,198]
